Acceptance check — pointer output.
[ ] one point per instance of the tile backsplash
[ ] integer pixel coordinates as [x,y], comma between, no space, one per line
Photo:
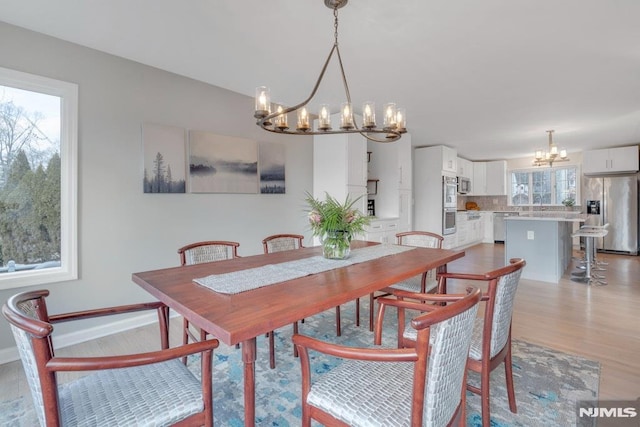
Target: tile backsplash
[485,203]
[500,203]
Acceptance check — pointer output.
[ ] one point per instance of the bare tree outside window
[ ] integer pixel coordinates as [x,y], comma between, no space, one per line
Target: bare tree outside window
[29,180]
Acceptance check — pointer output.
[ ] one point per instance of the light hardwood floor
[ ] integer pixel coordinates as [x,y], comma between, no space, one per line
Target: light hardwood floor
[599,323]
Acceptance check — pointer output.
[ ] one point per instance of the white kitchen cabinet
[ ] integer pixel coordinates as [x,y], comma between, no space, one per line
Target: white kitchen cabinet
[449,242]
[465,168]
[497,178]
[382,231]
[479,181]
[405,179]
[462,229]
[339,167]
[469,231]
[404,218]
[449,159]
[390,164]
[487,223]
[489,178]
[611,160]
[356,160]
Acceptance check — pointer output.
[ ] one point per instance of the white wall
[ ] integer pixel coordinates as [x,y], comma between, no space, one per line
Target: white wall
[122,230]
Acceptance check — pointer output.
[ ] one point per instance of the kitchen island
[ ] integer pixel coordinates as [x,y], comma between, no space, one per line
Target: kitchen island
[544,240]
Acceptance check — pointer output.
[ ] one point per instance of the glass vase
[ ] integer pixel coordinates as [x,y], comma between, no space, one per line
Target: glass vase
[336,244]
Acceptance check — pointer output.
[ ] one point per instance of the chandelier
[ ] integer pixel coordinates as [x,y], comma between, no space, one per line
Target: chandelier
[543,157]
[394,119]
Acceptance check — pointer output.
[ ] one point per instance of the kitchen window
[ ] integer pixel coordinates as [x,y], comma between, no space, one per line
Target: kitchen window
[38,180]
[554,186]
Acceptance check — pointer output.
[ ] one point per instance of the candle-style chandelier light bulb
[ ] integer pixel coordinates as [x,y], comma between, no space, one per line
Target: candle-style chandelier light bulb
[394,118]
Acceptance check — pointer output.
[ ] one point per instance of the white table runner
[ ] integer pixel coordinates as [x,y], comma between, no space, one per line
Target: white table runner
[254,278]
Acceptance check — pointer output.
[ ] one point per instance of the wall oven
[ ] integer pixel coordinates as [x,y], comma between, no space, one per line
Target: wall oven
[449,204]
[449,192]
[449,221]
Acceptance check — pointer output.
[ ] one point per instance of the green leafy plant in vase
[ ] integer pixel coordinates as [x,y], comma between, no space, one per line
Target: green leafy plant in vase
[335,223]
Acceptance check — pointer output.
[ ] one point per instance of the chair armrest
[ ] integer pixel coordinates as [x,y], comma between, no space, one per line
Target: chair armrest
[125,361]
[465,276]
[411,305]
[357,353]
[428,297]
[107,311]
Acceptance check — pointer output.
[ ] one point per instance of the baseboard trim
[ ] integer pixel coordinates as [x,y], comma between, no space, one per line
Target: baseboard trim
[65,340]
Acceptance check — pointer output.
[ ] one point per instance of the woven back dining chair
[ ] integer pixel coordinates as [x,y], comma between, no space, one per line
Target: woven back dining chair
[421,283]
[418,386]
[208,251]
[286,242]
[491,341]
[198,253]
[280,243]
[151,388]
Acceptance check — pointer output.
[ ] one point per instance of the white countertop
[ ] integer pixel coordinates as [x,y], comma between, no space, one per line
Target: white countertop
[549,216]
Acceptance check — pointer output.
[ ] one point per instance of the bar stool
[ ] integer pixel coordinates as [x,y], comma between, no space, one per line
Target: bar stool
[597,265]
[590,233]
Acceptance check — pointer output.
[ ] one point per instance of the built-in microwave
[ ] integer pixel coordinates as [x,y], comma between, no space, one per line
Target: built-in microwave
[464,185]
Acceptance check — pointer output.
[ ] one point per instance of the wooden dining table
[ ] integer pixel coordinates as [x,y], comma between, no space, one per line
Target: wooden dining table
[241,317]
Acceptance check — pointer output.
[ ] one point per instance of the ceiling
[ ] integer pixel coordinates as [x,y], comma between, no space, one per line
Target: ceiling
[485,77]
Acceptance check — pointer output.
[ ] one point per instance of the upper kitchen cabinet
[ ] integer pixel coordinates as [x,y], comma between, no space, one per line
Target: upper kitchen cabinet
[497,178]
[611,160]
[489,178]
[479,179]
[449,159]
[465,168]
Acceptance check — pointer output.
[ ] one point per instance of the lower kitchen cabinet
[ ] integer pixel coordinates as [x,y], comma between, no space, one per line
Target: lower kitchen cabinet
[469,229]
[382,230]
[487,223]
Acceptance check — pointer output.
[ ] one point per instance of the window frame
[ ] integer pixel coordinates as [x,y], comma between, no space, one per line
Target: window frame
[530,172]
[68,93]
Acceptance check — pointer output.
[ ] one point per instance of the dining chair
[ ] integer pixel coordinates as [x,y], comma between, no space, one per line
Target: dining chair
[198,253]
[418,386]
[421,283]
[491,341]
[151,388]
[280,243]
[285,242]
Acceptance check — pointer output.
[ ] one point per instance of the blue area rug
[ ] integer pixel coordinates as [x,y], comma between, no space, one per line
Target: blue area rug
[547,382]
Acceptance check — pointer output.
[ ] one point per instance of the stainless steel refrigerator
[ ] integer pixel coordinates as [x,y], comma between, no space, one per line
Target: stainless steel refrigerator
[614,200]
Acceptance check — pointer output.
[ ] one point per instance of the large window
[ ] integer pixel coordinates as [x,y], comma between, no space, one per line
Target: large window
[545,186]
[38,185]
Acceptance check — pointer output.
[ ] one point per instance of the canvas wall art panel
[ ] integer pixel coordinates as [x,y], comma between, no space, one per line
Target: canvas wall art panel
[164,154]
[222,164]
[271,162]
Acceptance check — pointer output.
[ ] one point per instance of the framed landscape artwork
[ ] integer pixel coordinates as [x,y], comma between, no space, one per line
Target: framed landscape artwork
[222,164]
[164,158]
[272,166]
